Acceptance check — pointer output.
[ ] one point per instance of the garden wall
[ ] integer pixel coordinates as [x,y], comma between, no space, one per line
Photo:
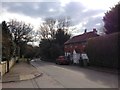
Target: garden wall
[3,66]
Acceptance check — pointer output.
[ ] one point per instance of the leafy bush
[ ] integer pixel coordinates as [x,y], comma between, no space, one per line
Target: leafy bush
[103,50]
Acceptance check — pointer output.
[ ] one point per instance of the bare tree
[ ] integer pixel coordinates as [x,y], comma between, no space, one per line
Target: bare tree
[20,32]
[50,22]
[64,23]
[49,28]
[44,31]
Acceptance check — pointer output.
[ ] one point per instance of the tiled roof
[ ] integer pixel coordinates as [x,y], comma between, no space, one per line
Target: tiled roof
[81,38]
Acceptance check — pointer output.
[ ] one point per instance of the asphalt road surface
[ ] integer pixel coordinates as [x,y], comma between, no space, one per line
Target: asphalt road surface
[76,77]
[66,76]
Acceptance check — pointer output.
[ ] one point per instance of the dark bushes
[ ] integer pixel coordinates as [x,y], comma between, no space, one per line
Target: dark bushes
[103,50]
[51,48]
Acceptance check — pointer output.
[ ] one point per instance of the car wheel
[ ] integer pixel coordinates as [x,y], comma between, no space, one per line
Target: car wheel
[56,62]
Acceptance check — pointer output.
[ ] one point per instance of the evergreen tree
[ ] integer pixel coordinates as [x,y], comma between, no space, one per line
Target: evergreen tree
[111,19]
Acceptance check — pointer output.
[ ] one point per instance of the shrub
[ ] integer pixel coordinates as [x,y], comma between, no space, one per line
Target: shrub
[103,50]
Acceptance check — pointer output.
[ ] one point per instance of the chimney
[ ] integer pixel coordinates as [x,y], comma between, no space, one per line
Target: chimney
[94,30]
[85,31]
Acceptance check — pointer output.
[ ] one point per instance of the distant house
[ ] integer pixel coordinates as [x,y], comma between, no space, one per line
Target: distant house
[78,42]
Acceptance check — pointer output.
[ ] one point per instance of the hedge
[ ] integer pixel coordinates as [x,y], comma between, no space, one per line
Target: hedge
[103,50]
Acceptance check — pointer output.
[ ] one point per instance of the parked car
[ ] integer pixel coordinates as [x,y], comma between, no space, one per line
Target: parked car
[62,60]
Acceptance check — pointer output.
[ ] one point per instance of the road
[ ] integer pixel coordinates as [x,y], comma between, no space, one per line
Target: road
[67,76]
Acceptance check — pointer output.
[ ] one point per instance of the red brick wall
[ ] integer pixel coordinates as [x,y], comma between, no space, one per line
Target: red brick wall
[71,47]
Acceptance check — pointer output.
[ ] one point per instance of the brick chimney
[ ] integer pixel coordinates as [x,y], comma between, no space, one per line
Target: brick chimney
[85,31]
[94,30]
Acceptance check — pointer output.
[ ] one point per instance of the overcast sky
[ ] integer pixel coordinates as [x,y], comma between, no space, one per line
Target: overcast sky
[84,13]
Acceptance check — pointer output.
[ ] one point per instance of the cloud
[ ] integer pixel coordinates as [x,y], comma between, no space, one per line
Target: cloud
[83,13]
[21,17]
[40,9]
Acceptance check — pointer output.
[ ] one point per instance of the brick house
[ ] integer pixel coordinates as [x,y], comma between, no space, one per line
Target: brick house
[78,42]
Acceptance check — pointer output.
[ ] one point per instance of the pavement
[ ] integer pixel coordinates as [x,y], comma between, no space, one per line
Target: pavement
[20,72]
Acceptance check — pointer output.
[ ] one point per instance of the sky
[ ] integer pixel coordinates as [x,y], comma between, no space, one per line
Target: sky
[84,14]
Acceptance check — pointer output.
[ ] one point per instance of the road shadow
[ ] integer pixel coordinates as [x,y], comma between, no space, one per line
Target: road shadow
[101,77]
[94,75]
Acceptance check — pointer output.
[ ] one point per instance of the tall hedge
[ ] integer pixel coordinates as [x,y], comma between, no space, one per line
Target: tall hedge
[103,50]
